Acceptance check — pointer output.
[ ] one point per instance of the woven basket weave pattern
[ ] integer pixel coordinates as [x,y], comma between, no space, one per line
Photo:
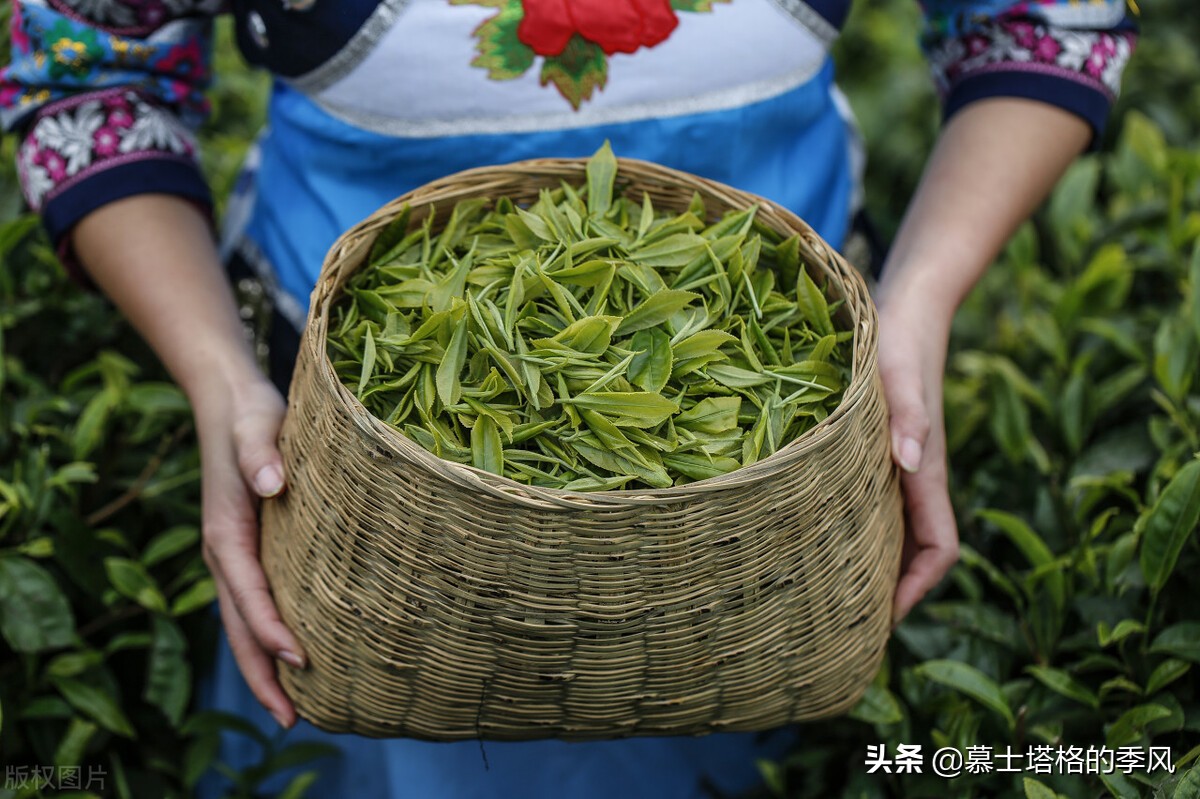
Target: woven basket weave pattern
[441,602]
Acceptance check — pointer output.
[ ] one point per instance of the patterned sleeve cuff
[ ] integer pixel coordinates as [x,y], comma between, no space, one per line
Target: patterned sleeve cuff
[92,149]
[1076,70]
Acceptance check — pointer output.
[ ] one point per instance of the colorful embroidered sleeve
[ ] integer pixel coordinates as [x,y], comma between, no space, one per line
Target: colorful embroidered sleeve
[1069,53]
[105,94]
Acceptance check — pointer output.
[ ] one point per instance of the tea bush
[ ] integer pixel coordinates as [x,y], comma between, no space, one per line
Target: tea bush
[1073,423]
[1074,418]
[103,593]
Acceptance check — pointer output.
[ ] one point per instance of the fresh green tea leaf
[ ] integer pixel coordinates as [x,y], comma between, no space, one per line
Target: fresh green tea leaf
[1169,524]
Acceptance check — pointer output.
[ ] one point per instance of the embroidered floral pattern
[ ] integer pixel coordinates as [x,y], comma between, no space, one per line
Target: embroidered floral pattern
[73,52]
[1096,58]
[133,16]
[618,26]
[20,39]
[53,56]
[574,38]
[77,138]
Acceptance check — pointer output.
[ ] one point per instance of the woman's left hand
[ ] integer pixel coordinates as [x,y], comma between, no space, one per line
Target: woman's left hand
[912,357]
[996,159]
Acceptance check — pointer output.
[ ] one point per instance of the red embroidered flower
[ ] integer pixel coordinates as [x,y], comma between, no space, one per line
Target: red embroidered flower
[618,26]
[120,118]
[107,141]
[1023,33]
[1047,49]
[20,37]
[184,59]
[54,164]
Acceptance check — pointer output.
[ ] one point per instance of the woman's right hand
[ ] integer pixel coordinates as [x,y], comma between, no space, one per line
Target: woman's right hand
[238,425]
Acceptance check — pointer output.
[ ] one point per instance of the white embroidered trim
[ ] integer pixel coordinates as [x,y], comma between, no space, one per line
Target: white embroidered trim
[806,16]
[83,136]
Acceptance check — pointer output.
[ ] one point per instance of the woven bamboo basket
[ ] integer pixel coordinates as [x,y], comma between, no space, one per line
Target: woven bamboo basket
[441,602]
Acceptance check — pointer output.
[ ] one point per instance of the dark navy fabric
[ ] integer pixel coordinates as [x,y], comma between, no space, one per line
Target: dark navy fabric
[1088,103]
[834,11]
[298,41]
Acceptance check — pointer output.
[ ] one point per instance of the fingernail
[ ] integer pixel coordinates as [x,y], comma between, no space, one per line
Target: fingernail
[291,658]
[269,481]
[910,455]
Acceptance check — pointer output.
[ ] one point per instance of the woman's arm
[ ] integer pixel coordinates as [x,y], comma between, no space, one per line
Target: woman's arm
[1025,88]
[994,162]
[105,97]
[153,255]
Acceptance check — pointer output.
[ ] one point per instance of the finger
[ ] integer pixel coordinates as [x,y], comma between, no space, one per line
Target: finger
[256,666]
[932,538]
[254,435]
[908,417]
[236,562]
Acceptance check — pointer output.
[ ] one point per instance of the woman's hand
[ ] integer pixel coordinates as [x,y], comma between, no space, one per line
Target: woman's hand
[994,162]
[912,355]
[154,256]
[238,425]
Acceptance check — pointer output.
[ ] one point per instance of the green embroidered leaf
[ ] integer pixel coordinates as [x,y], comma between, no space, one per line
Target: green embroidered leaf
[501,53]
[577,72]
[694,5]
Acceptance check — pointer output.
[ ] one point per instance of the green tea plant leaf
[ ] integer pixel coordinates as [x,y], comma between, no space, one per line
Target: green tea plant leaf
[1037,790]
[73,746]
[650,368]
[1166,527]
[169,676]
[601,175]
[170,543]
[878,706]
[1179,640]
[1120,786]
[1194,291]
[1032,547]
[1060,682]
[96,703]
[1131,725]
[34,613]
[131,579]
[1166,673]
[970,681]
[1188,786]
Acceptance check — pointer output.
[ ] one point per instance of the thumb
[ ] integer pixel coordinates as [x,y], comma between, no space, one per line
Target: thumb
[909,420]
[254,436]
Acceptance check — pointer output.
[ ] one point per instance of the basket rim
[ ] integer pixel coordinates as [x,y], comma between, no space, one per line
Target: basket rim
[377,435]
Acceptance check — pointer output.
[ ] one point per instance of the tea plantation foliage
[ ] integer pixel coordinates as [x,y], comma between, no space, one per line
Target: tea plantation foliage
[1073,410]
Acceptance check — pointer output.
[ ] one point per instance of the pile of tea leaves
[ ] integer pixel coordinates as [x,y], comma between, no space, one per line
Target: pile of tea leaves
[589,342]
